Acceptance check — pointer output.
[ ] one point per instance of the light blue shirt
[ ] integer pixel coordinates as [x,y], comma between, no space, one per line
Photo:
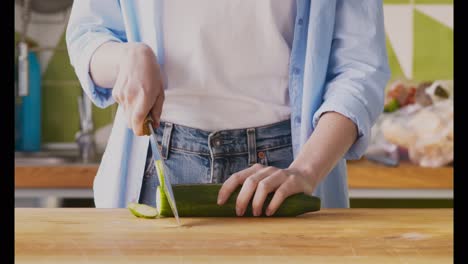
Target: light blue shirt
[338,63]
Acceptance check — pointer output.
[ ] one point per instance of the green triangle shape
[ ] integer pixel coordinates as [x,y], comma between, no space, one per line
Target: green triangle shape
[433,49]
[395,68]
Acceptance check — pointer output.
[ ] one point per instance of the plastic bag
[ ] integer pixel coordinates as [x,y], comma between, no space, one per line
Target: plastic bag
[427,132]
[380,150]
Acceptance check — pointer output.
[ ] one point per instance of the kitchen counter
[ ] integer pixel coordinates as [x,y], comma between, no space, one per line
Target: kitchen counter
[51,183]
[370,180]
[362,174]
[89,235]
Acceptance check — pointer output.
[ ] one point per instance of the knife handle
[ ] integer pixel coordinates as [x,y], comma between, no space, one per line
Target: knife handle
[148,122]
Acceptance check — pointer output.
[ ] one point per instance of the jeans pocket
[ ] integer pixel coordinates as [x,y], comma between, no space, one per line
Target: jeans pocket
[185,168]
[280,157]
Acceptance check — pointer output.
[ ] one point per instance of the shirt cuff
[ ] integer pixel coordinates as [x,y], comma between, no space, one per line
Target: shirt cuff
[101,97]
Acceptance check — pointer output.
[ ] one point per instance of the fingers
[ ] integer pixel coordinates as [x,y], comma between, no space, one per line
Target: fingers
[259,181]
[266,186]
[137,104]
[249,187]
[119,97]
[138,86]
[234,181]
[291,186]
[157,110]
[141,107]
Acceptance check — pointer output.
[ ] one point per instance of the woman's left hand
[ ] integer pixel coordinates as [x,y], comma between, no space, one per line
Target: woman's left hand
[258,181]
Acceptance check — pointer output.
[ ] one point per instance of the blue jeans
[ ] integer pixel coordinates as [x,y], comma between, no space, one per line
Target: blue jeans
[197,156]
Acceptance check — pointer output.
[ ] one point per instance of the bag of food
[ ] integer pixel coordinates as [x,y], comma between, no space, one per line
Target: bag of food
[426,131]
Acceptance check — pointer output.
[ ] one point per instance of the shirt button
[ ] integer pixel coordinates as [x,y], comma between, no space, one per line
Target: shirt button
[296,70]
[297,119]
[261,154]
[300,21]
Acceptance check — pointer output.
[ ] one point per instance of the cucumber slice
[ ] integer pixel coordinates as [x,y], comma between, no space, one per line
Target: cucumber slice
[162,204]
[142,210]
[160,172]
[161,199]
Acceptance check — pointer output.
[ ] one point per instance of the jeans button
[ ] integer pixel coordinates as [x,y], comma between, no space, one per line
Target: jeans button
[217,142]
[261,155]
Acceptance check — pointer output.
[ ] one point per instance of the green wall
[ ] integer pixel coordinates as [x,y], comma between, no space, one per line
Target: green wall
[433,49]
[61,89]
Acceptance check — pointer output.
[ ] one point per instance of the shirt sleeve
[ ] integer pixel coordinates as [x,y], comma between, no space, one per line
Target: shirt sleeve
[358,69]
[91,24]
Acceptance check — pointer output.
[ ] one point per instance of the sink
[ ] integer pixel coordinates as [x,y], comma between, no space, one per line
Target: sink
[48,158]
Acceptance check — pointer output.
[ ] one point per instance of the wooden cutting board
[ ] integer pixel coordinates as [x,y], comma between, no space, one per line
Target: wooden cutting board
[71,235]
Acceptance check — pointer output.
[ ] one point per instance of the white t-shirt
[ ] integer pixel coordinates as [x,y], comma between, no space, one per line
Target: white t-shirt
[226,62]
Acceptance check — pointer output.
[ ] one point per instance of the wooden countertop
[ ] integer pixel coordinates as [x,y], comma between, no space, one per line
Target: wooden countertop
[88,235]
[361,174]
[366,174]
[63,176]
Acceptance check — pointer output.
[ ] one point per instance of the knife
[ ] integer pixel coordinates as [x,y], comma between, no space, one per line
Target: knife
[167,187]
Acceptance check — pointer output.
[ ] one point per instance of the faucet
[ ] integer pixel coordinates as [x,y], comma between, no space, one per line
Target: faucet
[23,64]
[85,136]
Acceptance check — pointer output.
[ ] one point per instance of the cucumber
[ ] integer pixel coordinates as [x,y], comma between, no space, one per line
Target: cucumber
[142,210]
[200,200]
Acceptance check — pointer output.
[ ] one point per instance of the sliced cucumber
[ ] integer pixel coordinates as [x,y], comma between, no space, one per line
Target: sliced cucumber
[199,200]
[143,210]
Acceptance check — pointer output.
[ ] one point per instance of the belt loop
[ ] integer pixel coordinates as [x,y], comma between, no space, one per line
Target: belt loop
[252,146]
[166,140]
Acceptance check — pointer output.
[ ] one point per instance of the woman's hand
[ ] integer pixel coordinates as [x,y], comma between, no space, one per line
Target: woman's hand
[330,140]
[133,72]
[138,87]
[258,181]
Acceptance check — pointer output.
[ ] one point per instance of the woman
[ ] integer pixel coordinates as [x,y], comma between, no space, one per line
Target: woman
[273,95]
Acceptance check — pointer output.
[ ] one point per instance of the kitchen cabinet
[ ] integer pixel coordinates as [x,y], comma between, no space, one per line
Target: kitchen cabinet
[52,183]
[89,235]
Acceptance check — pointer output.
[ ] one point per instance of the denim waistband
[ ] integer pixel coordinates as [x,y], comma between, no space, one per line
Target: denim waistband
[224,142]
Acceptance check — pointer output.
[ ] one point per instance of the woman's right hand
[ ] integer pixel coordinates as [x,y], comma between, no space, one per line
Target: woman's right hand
[138,86]
[132,71]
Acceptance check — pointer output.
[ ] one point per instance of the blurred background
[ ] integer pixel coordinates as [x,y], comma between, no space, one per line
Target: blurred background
[60,135]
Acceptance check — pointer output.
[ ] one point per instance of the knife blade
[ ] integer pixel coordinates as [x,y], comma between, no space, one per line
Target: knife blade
[167,187]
